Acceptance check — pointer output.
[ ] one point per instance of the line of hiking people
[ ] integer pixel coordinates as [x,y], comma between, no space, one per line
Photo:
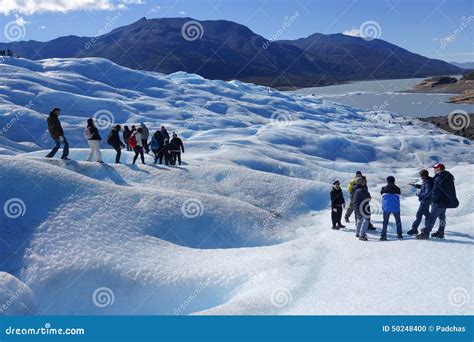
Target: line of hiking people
[165,148]
[435,194]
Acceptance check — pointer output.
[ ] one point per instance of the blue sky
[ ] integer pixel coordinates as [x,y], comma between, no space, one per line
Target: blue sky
[435,28]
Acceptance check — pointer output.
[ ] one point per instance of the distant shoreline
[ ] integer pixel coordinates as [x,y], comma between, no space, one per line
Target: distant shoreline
[443,123]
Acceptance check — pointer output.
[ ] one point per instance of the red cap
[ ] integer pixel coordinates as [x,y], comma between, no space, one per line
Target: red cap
[439,166]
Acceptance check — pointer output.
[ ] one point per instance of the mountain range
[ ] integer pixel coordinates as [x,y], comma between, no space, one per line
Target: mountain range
[226,50]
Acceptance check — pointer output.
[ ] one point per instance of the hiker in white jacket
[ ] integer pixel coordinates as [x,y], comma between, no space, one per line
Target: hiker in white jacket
[91,133]
[139,147]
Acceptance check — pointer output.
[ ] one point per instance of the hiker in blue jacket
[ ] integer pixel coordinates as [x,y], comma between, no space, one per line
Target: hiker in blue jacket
[442,198]
[391,205]
[424,196]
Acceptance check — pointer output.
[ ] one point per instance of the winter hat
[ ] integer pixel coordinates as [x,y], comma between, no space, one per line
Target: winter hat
[118,127]
[56,109]
[424,173]
[335,181]
[90,122]
[391,179]
[439,166]
[358,173]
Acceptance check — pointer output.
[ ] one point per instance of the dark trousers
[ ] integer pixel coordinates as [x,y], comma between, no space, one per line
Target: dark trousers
[145,145]
[56,148]
[175,155]
[117,149]
[436,213]
[336,215]
[138,152]
[163,153]
[398,222]
[423,210]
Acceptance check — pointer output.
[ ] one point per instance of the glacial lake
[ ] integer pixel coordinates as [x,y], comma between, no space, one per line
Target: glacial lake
[388,95]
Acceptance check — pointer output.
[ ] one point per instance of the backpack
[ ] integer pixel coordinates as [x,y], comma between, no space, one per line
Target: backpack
[132,141]
[87,133]
[154,144]
[452,202]
[110,139]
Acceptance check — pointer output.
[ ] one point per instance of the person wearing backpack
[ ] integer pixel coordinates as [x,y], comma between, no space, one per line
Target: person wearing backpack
[391,205]
[91,133]
[126,135]
[165,133]
[113,139]
[57,133]
[176,146]
[350,189]
[137,143]
[156,143]
[165,153]
[424,197]
[337,205]
[145,135]
[361,208]
[443,197]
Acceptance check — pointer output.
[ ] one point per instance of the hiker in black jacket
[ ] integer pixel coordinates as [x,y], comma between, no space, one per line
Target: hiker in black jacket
[57,133]
[126,135]
[114,140]
[443,197]
[176,146]
[337,204]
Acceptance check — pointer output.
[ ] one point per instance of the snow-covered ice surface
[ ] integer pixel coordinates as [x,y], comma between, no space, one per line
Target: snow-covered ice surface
[242,227]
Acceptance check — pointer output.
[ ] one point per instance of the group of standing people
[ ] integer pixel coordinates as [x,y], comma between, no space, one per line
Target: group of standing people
[135,139]
[435,196]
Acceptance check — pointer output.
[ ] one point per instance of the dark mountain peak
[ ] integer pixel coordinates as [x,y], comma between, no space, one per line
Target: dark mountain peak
[222,49]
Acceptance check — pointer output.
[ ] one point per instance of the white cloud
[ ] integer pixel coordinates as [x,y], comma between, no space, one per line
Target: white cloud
[21,21]
[182,13]
[354,32]
[30,7]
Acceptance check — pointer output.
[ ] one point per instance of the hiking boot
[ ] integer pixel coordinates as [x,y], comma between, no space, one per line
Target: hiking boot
[413,231]
[371,227]
[363,238]
[346,219]
[423,236]
[65,158]
[438,235]
[340,226]
[335,228]
[400,237]
[383,238]
[357,235]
